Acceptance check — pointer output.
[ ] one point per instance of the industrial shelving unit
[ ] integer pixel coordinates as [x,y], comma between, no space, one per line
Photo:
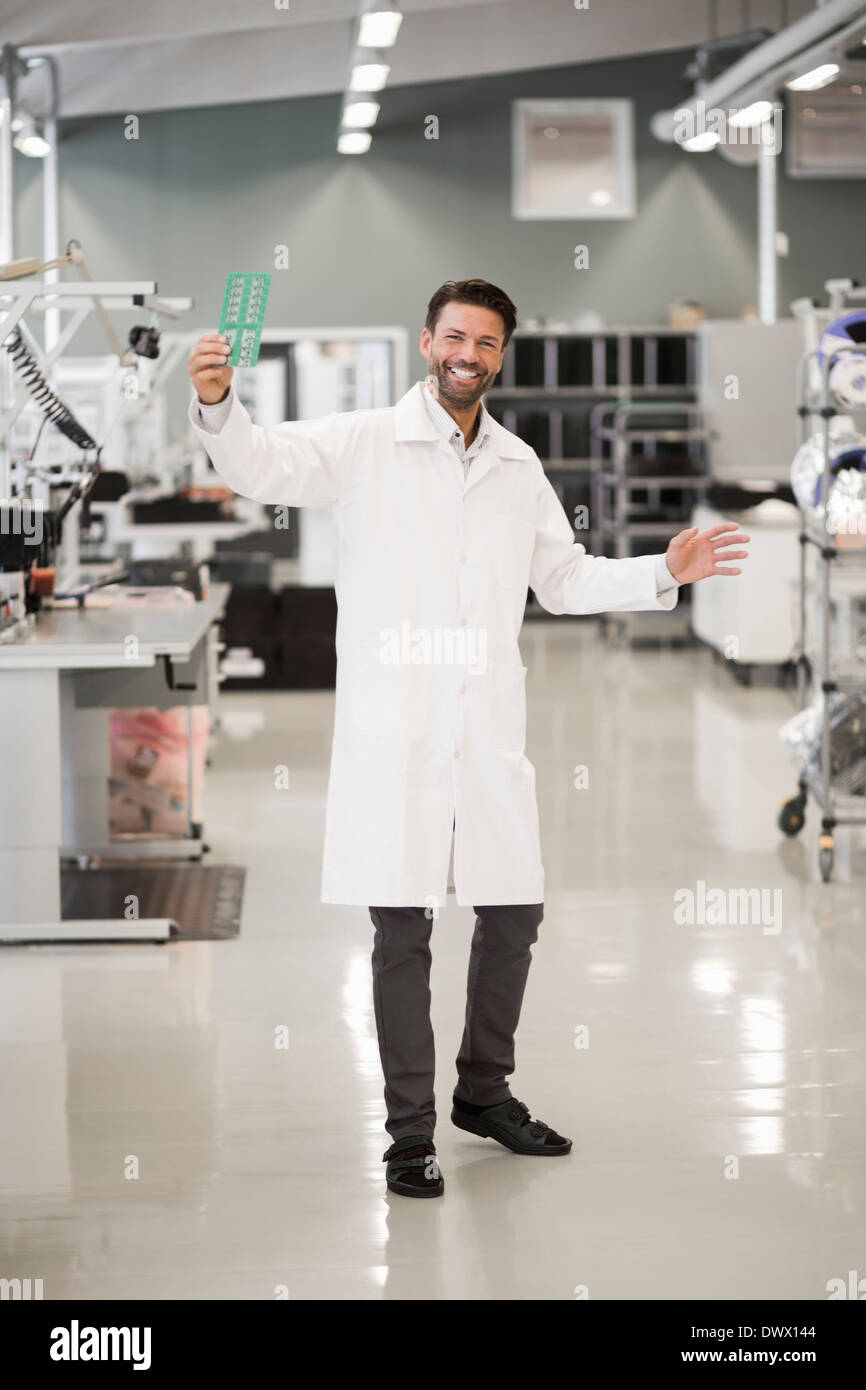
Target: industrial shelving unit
[838,576]
[552,381]
[650,473]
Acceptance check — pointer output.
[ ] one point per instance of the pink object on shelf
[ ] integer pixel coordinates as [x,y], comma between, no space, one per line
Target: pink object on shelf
[152,765]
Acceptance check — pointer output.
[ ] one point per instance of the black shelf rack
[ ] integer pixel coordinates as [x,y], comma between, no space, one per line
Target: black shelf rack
[551,388]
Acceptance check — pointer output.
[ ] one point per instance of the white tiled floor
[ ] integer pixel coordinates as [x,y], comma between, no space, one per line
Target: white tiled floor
[709,1046]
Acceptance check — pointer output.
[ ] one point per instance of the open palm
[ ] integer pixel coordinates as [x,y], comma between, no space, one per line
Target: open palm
[694,555]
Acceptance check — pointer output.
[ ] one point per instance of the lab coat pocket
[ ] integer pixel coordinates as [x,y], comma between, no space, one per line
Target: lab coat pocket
[502,704]
[512,544]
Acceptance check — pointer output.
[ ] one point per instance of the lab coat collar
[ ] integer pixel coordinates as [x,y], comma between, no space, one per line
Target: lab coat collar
[412,421]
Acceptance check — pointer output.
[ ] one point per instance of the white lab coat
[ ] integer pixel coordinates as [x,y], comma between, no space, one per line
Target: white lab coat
[431,581]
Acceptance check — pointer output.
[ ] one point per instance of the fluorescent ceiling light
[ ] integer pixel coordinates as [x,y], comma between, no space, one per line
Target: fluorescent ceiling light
[754,114]
[698,144]
[28,140]
[353,142]
[818,77]
[369,77]
[32,145]
[360,113]
[379,27]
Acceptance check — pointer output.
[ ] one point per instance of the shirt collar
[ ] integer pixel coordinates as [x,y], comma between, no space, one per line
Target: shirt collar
[413,421]
[446,424]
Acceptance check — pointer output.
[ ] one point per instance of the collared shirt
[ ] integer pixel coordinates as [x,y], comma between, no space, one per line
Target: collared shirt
[450,430]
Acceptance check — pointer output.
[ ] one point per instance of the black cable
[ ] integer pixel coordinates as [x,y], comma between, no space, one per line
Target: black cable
[81,490]
[51,406]
[36,440]
[95,584]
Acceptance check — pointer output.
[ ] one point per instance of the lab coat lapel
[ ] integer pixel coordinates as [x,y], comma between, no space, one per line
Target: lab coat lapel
[412,418]
[412,422]
[481,465]
[501,444]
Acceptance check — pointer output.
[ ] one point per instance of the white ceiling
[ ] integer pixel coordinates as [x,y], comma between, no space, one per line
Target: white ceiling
[116,57]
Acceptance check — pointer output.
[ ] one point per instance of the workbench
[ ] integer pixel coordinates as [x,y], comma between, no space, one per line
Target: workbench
[58,682]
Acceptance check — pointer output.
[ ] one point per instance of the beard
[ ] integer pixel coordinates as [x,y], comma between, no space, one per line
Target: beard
[458,394]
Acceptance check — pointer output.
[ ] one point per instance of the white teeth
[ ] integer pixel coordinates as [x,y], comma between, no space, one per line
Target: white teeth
[461,372]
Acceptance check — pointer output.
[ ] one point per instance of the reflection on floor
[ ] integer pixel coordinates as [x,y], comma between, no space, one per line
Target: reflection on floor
[704,1050]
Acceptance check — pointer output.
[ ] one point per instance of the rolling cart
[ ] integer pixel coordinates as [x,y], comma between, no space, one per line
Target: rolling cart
[831,661]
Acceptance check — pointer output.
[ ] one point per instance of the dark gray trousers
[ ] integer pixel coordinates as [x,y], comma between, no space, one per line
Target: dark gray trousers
[499,961]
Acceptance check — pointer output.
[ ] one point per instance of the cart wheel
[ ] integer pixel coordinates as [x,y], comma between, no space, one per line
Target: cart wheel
[792,815]
[742,674]
[825,857]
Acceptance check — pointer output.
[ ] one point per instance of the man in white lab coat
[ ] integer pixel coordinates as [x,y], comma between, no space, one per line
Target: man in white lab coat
[444,519]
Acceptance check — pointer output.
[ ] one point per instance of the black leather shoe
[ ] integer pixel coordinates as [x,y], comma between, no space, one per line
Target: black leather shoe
[413,1169]
[512,1125]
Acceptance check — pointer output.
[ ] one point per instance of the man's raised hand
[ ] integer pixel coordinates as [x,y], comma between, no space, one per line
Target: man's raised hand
[693,555]
[207,368]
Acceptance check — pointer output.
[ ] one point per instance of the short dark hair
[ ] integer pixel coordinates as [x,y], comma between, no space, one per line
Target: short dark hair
[479,292]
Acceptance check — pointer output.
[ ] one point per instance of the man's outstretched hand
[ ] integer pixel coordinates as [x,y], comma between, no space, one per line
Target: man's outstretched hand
[692,555]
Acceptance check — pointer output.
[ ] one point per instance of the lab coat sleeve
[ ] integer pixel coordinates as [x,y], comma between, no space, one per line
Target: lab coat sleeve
[664,578]
[302,463]
[565,579]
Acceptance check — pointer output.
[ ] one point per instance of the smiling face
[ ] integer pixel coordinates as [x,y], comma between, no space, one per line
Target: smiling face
[464,353]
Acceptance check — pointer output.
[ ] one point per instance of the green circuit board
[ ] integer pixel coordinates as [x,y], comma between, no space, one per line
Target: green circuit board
[243,316]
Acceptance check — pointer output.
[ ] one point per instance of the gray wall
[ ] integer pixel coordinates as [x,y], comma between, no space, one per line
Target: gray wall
[209,190]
